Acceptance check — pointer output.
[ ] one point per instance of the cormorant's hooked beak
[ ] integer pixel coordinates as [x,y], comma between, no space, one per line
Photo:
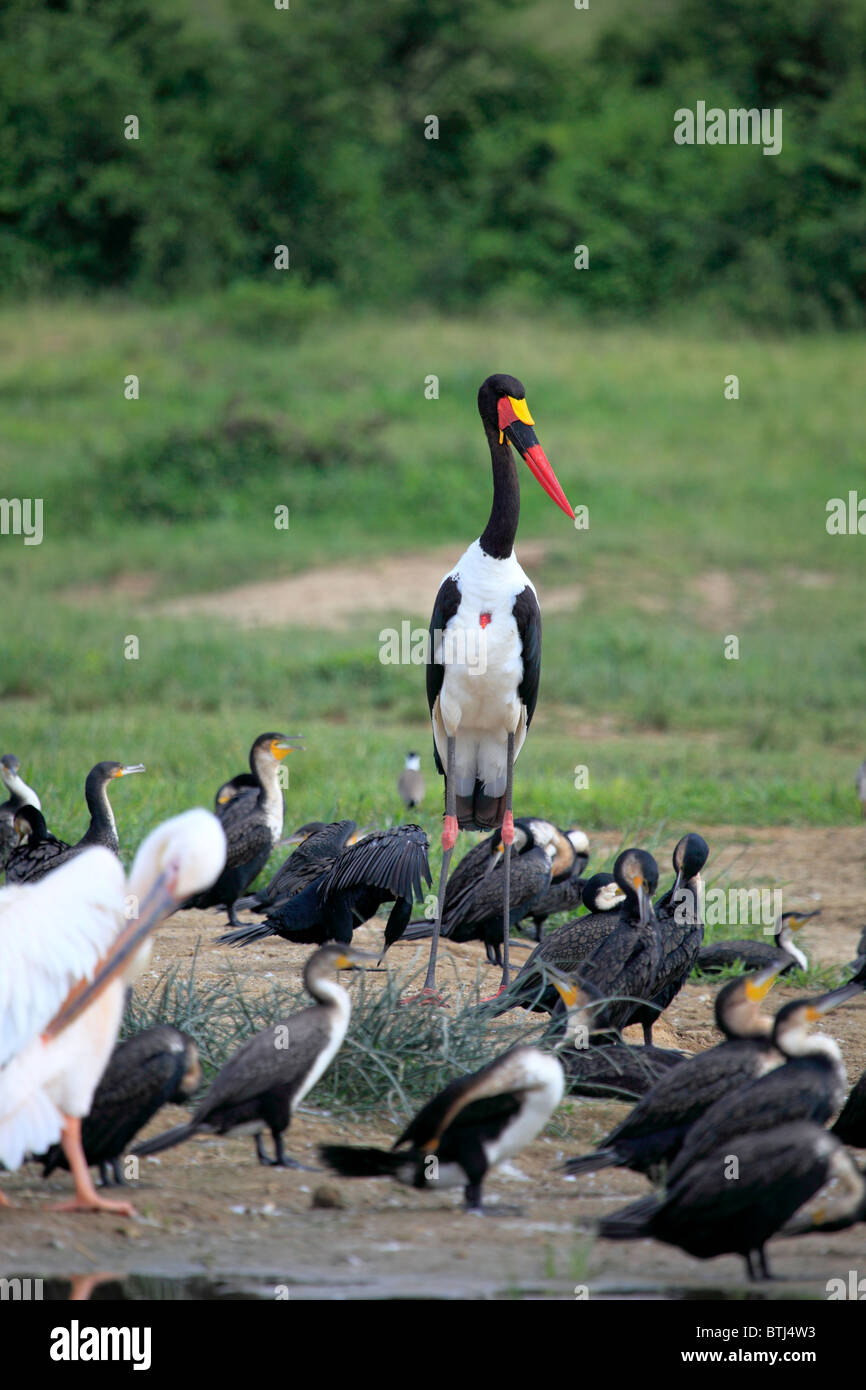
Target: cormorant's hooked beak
[565,988]
[647,911]
[796,920]
[159,903]
[297,839]
[352,959]
[760,984]
[825,1002]
[129,769]
[282,747]
[515,425]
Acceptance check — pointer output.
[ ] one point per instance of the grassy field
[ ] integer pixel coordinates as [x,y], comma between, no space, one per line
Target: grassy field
[706,520]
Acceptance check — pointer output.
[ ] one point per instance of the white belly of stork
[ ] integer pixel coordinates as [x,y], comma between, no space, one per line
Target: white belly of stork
[479,702]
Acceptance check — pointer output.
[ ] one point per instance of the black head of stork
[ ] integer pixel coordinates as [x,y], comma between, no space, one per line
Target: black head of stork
[507,421]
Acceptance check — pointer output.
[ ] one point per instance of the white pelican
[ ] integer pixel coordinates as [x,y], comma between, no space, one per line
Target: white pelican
[69,946]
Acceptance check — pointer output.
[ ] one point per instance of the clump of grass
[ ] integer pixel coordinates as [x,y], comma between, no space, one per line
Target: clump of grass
[393,1058]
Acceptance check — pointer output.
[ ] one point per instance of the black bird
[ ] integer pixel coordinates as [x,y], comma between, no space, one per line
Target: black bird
[565,893]
[386,866]
[319,845]
[35,850]
[571,947]
[253,822]
[650,1136]
[601,1065]
[43,851]
[19,795]
[475,1123]
[484,658]
[680,919]
[708,1213]
[230,789]
[263,1084]
[601,893]
[753,955]
[475,895]
[615,1069]
[860,958]
[810,1086]
[156,1067]
[623,968]
[851,1124]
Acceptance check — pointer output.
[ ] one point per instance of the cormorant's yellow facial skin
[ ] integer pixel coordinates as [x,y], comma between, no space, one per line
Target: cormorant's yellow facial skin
[343,963]
[567,993]
[279,750]
[755,991]
[813,1014]
[118,772]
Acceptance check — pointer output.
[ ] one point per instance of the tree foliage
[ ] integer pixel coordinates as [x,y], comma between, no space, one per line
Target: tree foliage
[306,127]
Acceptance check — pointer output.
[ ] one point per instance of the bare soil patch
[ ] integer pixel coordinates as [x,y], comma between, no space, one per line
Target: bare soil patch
[207,1208]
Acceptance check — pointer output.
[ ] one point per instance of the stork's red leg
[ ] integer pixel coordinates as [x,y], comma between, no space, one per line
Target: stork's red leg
[86,1196]
[507,841]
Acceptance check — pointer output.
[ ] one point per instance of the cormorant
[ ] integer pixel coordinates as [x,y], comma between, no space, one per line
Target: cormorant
[565,893]
[680,922]
[484,658]
[386,866]
[810,1086]
[253,823]
[576,943]
[43,851]
[601,893]
[262,1085]
[410,784]
[601,1065]
[158,1066]
[710,1212]
[19,795]
[651,1134]
[319,845]
[230,789]
[475,894]
[475,1123]
[753,955]
[851,1124]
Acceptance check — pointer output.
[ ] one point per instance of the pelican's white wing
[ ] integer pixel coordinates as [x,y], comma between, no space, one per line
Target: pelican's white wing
[52,934]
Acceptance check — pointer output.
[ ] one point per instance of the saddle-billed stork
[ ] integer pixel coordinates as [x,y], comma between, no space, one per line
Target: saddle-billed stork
[484,657]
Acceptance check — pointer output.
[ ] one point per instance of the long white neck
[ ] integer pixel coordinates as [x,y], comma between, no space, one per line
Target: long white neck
[274,803]
[18,787]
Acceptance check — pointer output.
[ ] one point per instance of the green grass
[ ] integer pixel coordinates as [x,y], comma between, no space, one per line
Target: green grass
[706,519]
[392,1060]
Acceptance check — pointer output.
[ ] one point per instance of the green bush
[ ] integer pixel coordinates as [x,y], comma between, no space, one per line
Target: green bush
[261,127]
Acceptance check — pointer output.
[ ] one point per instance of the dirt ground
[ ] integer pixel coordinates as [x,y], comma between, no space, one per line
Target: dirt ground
[207,1211]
